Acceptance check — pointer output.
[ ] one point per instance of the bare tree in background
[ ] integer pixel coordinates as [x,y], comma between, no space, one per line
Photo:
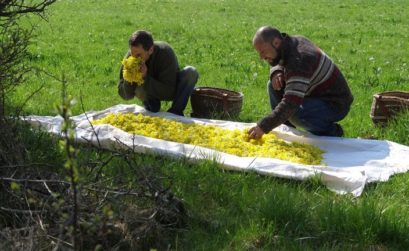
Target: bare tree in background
[39,209]
[14,40]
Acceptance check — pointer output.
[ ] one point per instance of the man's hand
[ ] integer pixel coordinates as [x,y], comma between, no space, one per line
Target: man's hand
[277,80]
[255,132]
[143,69]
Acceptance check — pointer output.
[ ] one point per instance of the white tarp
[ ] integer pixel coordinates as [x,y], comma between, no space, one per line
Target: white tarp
[348,163]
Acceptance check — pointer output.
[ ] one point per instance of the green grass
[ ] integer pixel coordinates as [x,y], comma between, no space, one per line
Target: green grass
[85,40]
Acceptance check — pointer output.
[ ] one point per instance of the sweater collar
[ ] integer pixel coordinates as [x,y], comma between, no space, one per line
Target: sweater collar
[285,49]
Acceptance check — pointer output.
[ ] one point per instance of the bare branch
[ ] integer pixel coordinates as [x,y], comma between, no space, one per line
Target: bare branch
[67,244]
[33,181]
[28,99]
[89,121]
[26,165]
[12,210]
[11,8]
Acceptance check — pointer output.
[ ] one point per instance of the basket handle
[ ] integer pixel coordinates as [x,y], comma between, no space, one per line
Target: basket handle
[225,105]
[381,105]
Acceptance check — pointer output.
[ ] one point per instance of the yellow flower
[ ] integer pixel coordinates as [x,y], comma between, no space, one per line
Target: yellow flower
[131,70]
[229,141]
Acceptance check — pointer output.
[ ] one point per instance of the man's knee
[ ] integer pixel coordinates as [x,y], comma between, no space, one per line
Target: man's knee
[191,75]
[274,96]
[152,105]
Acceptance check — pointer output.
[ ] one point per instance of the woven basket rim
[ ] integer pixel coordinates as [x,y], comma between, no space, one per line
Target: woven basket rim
[394,94]
[217,93]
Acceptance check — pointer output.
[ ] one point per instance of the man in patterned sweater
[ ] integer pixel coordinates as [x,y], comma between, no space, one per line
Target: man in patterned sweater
[306,89]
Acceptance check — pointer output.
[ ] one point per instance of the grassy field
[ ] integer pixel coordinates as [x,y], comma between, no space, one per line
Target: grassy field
[84,41]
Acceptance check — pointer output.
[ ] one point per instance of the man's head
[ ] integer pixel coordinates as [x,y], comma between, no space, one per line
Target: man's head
[267,42]
[141,44]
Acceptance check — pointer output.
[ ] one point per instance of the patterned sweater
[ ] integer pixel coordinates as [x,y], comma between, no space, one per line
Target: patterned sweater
[308,72]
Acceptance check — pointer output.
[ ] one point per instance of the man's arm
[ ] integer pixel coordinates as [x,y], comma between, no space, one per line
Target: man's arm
[283,111]
[277,76]
[125,89]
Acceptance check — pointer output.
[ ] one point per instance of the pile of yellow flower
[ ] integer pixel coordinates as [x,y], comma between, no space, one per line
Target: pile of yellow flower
[131,70]
[230,141]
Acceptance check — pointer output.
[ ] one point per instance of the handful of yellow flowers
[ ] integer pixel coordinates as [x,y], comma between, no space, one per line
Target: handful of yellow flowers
[131,70]
[234,141]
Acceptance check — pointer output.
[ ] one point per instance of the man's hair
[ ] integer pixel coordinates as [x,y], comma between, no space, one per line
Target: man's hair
[266,34]
[141,37]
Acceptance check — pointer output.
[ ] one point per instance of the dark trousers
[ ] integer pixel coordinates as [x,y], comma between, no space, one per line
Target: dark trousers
[313,115]
[186,81]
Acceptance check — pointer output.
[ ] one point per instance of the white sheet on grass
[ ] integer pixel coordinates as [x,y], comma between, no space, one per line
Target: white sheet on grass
[348,163]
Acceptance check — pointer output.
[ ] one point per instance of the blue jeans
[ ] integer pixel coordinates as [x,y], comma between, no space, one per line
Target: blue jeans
[314,115]
[185,83]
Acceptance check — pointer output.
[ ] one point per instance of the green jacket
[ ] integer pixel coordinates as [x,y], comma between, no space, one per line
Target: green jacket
[160,82]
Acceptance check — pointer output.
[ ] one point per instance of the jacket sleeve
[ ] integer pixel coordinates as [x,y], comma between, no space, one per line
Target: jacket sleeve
[283,111]
[162,84]
[276,69]
[125,89]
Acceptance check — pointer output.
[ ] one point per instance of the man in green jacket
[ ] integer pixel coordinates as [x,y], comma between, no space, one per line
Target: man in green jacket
[163,80]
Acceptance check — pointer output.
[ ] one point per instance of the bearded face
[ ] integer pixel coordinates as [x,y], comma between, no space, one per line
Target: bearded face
[268,52]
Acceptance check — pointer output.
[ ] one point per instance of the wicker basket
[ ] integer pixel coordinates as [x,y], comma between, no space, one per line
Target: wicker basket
[387,104]
[216,103]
